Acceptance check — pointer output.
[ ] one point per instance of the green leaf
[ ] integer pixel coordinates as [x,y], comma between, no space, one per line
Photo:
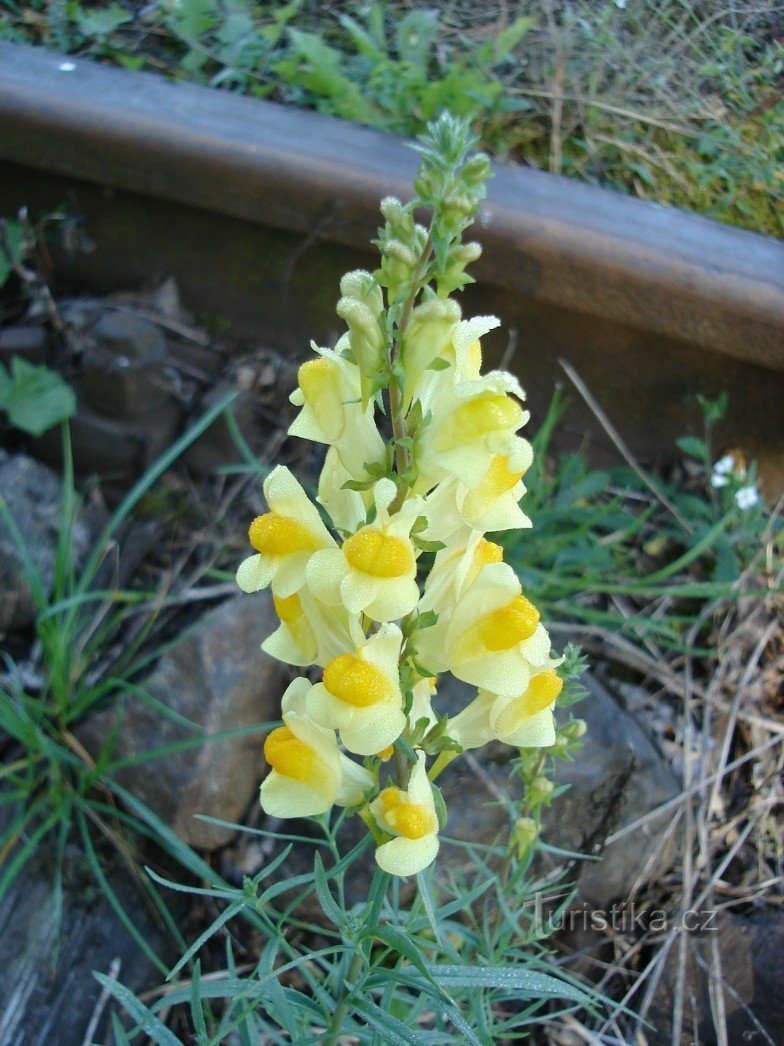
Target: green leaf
[101,23]
[37,398]
[506,978]
[414,38]
[144,1017]
[385,1024]
[439,364]
[497,50]
[693,446]
[328,904]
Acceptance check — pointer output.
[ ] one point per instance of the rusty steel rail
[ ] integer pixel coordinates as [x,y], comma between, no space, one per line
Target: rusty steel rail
[643,299]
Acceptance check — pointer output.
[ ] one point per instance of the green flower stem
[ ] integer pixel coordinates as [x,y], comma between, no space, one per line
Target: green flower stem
[332,1035]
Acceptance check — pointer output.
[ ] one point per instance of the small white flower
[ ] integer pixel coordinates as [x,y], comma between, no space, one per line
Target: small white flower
[747,497]
[718,480]
[725,465]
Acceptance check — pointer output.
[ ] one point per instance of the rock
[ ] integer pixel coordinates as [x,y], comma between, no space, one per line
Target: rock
[33,494]
[616,778]
[751,950]
[29,342]
[216,676]
[48,993]
[124,365]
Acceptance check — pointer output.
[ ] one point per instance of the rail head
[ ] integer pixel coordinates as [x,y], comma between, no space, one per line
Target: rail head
[588,249]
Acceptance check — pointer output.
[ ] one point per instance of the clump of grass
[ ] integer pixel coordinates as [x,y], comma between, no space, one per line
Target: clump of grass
[619,558]
[91,645]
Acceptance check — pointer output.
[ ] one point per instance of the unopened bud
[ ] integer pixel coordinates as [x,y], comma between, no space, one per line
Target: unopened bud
[574,729]
[524,834]
[392,209]
[476,171]
[540,788]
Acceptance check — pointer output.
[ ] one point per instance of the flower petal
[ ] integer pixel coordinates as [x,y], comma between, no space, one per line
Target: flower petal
[403,856]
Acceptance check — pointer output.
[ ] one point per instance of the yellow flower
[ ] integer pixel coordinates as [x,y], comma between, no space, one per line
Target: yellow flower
[329,395]
[525,720]
[308,771]
[410,816]
[360,695]
[494,638]
[375,570]
[463,354]
[284,538]
[454,570]
[493,504]
[310,633]
[471,424]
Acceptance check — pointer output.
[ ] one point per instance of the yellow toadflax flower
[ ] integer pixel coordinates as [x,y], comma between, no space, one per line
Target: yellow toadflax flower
[493,504]
[410,816]
[494,638]
[471,423]
[345,507]
[375,570]
[309,773]
[284,538]
[329,394]
[525,721]
[462,354]
[360,695]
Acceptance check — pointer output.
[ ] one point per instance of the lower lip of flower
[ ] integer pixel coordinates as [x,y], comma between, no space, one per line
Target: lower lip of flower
[381,555]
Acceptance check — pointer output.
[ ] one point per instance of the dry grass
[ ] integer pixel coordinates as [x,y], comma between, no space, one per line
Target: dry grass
[720,723]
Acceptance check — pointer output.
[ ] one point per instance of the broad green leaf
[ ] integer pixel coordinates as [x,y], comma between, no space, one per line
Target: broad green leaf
[693,446]
[101,23]
[37,399]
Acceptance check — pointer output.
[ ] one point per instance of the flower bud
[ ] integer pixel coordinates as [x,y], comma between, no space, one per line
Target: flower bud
[392,209]
[541,788]
[363,286]
[524,835]
[476,171]
[560,746]
[574,729]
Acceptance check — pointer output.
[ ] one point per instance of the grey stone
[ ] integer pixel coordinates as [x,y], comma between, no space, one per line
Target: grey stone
[216,676]
[48,993]
[124,365]
[33,495]
[617,777]
[29,342]
[751,950]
